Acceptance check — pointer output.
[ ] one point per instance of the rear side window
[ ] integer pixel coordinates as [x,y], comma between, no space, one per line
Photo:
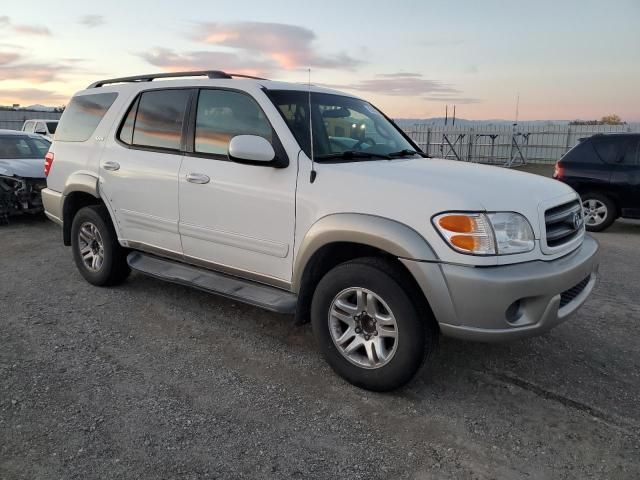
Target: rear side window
[223,114]
[126,130]
[82,116]
[42,146]
[155,120]
[27,127]
[582,153]
[610,149]
[16,146]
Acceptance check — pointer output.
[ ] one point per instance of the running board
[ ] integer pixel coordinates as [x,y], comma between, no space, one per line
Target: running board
[257,294]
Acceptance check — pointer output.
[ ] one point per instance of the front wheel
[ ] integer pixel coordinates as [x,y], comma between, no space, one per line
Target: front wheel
[599,211]
[367,325]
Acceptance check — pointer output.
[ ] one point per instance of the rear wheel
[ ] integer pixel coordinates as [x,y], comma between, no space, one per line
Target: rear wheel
[599,211]
[367,325]
[96,251]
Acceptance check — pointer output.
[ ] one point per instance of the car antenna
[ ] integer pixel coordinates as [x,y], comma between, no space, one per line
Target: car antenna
[312,177]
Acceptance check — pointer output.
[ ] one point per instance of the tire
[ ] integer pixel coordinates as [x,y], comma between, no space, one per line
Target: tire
[391,362]
[96,225]
[599,211]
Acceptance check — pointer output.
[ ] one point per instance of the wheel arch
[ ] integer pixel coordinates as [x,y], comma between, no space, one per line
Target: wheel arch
[80,190]
[337,238]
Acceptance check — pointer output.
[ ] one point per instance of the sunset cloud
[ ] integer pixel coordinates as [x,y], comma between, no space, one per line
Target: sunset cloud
[32,30]
[92,20]
[289,46]
[31,95]
[400,84]
[172,61]
[15,66]
[453,99]
[5,22]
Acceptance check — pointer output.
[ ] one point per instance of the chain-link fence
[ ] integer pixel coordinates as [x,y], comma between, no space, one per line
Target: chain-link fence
[506,145]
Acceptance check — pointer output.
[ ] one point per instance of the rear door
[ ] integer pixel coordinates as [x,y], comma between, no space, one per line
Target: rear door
[139,171]
[612,149]
[626,175]
[235,217]
[584,169]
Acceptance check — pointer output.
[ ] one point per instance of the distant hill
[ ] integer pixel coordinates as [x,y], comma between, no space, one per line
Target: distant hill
[39,108]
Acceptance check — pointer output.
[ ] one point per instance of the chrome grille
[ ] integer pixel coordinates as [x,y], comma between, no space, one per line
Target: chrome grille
[563,223]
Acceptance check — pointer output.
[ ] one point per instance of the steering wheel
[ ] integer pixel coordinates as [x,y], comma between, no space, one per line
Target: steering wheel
[368,140]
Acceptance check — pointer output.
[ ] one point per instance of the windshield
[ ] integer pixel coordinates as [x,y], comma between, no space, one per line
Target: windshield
[340,125]
[17,146]
[52,127]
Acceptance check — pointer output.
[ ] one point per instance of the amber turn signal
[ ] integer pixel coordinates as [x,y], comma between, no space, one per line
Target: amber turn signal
[458,223]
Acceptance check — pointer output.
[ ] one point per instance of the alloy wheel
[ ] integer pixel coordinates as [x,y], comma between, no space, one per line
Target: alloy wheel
[91,246]
[363,328]
[595,212]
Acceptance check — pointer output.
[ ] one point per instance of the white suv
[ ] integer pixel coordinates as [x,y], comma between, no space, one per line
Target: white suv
[310,201]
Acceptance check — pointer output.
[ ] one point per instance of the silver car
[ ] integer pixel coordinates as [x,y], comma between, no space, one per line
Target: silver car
[21,173]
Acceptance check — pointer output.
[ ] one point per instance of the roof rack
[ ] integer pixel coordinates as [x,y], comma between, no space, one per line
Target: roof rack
[153,76]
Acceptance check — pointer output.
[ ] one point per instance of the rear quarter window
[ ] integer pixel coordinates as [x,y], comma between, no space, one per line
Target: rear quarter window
[582,153]
[610,149]
[82,116]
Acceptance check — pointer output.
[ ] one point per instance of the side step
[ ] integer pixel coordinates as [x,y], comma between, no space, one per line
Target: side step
[264,296]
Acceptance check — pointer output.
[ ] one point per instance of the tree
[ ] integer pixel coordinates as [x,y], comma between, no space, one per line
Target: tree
[612,119]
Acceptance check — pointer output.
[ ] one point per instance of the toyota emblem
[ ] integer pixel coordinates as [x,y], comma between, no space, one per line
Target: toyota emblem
[577,220]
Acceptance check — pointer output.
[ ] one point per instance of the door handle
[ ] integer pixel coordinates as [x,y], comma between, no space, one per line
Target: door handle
[109,165]
[199,178]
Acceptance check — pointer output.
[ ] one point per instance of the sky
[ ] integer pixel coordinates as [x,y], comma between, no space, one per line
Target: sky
[563,59]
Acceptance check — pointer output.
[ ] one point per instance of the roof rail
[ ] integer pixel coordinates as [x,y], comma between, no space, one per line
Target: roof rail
[153,76]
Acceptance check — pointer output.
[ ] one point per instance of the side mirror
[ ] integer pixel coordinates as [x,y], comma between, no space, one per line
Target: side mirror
[250,148]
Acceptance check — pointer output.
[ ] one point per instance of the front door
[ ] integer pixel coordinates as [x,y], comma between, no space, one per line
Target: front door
[236,217]
[139,172]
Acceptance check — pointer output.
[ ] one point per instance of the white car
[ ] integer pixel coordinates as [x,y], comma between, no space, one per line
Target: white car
[310,201]
[44,127]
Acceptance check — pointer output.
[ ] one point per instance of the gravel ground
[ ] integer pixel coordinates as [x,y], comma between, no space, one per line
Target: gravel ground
[153,380]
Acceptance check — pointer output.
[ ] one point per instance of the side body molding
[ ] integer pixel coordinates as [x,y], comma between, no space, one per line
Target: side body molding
[81,182]
[388,235]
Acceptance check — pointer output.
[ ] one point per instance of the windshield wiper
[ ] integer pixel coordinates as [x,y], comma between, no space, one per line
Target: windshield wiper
[351,155]
[406,152]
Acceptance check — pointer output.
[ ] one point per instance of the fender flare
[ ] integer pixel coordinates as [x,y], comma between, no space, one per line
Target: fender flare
[81,182]
[383,233]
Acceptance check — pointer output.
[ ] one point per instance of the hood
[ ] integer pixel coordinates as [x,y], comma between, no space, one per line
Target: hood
[492,188]
[22,167]
[414,190]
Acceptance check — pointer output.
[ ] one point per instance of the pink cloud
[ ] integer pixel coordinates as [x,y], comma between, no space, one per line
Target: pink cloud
[5,22]
[170,60]
[408,85]
[32,30]
[31,95]
[289,46]
[15,66]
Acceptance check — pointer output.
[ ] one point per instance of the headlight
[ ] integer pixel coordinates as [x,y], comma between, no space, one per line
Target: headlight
[500,233]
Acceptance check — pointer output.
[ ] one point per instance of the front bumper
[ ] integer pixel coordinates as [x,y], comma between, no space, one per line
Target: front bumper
[511,301]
